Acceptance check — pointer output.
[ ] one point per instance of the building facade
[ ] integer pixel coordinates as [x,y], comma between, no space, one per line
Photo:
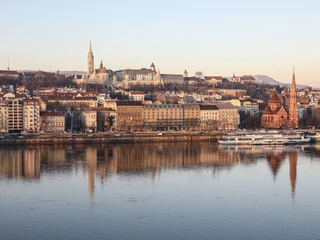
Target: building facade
[228,116]
[15,115]
[129,77]
[4,117]
[163,116]
[31,115]
[276,115]
[52,122]
[209,117]
[191,116]
[129,115]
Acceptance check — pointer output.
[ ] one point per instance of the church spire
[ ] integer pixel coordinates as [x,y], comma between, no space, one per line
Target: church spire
[293,84]
[90,60]
[90,48]
[293,110]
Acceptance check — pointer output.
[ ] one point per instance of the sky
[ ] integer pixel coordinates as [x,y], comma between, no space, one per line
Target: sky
[218,38]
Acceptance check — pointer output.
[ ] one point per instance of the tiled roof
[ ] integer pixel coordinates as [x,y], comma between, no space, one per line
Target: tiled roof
[138,71]
[225,105]
[52,114]
[208,107]
[213,77]
[8,72]
[129,103]
[274,98]
[248,77]
[137,93]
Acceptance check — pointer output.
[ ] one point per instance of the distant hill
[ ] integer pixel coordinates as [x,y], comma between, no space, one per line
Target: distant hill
[263,79]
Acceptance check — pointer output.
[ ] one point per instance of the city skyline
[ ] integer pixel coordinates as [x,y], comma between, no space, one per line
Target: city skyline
[209,36]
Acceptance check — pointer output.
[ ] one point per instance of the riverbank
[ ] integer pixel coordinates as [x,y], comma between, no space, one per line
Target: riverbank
[87,138]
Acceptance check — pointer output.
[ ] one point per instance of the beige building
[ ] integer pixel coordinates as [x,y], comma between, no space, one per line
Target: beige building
[136,96]
[89,120]
[172,78]
[109,103]
[229,116]
[213,80]
[31,115]
[129,115]
[209,117]
[191,116]
[52,122]
[163,116]
[129,77]
[68,102]
[4,117]
[15,116]
[233,92]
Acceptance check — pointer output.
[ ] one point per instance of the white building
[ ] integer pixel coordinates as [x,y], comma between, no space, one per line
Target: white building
[31,115]
[136,96]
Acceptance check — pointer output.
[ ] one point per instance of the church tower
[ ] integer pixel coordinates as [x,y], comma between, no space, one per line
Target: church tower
[153,67]
[185,74]
[293,110]
[90,60]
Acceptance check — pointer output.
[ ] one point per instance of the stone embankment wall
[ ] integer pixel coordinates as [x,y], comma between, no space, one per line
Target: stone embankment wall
[102,138]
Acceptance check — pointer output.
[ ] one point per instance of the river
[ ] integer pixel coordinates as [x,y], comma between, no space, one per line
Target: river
[195,190]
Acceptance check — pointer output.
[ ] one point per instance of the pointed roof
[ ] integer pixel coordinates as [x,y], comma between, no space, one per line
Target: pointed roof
[90,47]
[267,110]
[152,65]
[293,83]
[185,71]
[274,98]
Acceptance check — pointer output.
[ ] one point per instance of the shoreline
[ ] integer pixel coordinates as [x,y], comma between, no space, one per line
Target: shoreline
[112,138]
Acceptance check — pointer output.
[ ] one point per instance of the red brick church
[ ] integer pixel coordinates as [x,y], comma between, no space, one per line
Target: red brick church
[275,114]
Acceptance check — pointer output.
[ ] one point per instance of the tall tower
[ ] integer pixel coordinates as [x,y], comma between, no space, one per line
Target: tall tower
[293,111]
[90,60]
[185,74]
[152,67]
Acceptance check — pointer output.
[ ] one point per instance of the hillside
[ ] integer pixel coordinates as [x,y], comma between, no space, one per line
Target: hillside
[263,79]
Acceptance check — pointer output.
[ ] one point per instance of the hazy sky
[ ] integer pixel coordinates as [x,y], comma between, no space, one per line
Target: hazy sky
[215,37]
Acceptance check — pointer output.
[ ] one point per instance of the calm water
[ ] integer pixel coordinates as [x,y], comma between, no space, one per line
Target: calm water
[160,191]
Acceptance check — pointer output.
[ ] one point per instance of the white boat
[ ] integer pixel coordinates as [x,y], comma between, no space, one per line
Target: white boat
[264,138]
[314,137]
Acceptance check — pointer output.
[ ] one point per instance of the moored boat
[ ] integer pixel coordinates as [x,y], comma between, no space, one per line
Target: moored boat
[264,138]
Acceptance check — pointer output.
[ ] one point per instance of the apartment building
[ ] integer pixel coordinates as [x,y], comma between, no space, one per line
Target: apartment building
[31,115]
[209,117]
[89,120]
[136,96]
[4,117]
[129,115]
[52,122]
[163,116]
[191,116]
[228,116]
[15,115]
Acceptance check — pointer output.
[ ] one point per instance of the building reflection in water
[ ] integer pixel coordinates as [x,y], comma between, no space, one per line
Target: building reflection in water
[17,163]
[293,158]
[97,161]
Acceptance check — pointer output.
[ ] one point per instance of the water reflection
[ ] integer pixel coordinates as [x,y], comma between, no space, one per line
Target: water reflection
[98,161]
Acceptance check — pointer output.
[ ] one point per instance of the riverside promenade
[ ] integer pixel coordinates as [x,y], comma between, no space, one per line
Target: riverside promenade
[72,138]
